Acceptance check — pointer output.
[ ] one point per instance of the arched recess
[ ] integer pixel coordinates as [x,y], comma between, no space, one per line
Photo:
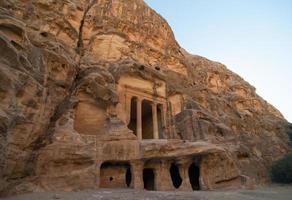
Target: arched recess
[194,176]
[149,179]
[175,175]
[90,116]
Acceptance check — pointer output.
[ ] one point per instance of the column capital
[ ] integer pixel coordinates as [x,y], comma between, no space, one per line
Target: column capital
[165,163]
[184,162]
[139,99]
[137,163]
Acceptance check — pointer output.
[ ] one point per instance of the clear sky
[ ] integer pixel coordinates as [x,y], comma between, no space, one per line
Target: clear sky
[251,37]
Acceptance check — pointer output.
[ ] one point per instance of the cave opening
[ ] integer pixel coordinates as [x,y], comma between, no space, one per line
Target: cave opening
[194,175]
[148,179]
[175,175]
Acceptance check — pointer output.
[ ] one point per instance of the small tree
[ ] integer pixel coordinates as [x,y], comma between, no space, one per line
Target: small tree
[281,171]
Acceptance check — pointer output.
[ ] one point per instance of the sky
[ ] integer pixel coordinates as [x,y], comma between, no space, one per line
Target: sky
[253,38]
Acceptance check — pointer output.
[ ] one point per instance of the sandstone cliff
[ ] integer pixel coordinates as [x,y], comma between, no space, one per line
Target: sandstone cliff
[51,50]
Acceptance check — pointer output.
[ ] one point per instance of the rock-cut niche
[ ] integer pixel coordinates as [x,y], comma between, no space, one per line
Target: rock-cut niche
[194,175]
[115,175]
[149,179]
[175,175]
[147,120]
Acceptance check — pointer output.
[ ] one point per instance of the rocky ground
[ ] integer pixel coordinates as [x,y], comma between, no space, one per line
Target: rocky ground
[275,192]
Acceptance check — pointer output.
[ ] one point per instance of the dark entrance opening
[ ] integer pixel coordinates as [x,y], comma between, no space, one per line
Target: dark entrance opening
[147,120]
[194,175]
[133,115]
[175,176]
[128,177]
[159,121]
[148,179]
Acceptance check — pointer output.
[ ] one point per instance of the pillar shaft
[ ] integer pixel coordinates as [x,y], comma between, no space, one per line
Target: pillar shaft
[137,174]
[164,125]
[128,102]
[97,174]
[155,123]
[183,170]
[139,119]
[162,173]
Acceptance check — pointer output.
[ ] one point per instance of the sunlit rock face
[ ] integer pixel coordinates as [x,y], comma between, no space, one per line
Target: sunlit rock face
[98,94]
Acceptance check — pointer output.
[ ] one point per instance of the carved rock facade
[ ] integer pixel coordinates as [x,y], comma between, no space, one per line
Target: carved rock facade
[99,94]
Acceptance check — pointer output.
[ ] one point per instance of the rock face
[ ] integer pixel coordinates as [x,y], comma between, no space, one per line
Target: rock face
[99,94]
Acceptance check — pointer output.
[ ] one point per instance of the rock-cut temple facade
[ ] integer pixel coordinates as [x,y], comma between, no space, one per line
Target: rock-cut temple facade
[150,140]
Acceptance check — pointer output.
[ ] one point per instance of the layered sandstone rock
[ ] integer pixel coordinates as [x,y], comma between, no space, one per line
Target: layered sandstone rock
[66,71]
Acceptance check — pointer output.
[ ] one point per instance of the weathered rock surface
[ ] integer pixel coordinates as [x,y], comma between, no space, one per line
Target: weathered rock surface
[60,66]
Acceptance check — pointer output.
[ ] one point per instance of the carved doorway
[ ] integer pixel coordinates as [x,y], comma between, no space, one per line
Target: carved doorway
[175,175]
[194,176]
[133,116]
[149,179]
[147,120]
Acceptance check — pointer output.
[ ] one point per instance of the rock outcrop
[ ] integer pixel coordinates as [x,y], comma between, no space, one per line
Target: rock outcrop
[66,118]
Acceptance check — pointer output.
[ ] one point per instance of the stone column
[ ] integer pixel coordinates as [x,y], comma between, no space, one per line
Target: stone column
[164,123]
[183,170]
[170,123]
[137,174]
[127,102]
[155,123]
[97,174]
[163,114]
[139,118]
[162,177]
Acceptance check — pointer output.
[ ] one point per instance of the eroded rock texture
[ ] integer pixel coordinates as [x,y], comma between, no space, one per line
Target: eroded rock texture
[98,93]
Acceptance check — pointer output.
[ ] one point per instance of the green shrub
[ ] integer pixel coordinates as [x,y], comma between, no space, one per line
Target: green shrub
[281,171]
